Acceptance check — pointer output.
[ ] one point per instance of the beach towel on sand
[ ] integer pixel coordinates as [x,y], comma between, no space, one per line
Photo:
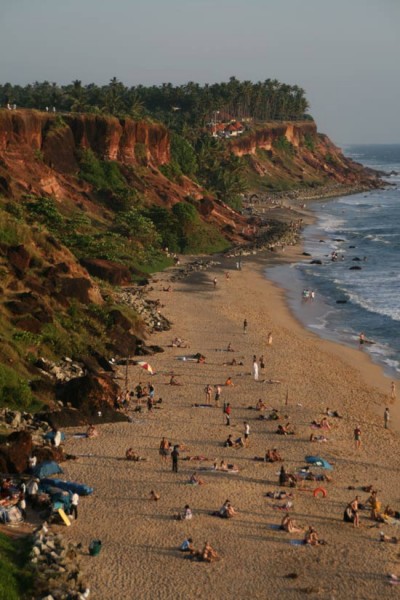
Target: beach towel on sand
[318,462]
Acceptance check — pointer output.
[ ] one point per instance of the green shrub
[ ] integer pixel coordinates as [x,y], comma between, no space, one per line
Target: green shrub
[309,142]
[14,390]
[16,579]
[171,171]
[45,211]
[283,144]
[183,155]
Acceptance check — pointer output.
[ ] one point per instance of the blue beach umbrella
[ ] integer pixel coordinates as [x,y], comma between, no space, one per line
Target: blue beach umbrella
[318,462]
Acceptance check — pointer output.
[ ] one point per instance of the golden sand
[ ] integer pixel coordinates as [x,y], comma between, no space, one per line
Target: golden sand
[140,557]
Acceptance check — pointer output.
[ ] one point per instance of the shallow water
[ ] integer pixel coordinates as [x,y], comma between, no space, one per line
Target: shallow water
[364,231]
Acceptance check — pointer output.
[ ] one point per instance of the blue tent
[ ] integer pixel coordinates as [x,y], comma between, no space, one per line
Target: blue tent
[317,461]
[80,488]
[45,469]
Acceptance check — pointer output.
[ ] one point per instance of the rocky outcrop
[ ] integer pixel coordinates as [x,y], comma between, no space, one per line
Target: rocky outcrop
[57,567]
[15,451]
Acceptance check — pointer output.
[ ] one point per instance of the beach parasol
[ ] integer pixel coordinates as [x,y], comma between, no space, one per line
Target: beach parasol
[145,366]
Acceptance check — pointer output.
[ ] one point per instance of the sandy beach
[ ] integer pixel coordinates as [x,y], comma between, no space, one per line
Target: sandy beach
[140,556]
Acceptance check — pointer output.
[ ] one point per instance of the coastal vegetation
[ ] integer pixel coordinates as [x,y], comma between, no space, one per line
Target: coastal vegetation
[16,580]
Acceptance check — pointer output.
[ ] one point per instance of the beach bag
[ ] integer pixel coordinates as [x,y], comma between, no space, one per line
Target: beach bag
[95,547]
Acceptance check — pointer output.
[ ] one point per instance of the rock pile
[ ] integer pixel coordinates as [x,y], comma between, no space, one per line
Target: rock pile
[57,569]
[65,370]
[147,309]
[19,420]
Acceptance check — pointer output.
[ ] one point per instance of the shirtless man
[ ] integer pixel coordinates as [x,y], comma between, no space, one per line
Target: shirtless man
[288,524]
[311,537]
[354,507]
[208,554]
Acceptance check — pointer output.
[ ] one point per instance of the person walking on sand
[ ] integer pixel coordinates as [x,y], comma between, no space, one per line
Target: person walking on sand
[246,433]
[74,505]
[164,449]
[215,282]
[269,339]
[393,391]
[245,326]
[356,516]
[217,394]
[228,411]
[255,369]
[175,457]
[357,437]
[386,418]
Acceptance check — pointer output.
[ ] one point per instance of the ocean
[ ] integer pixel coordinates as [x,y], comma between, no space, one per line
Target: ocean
[359,291]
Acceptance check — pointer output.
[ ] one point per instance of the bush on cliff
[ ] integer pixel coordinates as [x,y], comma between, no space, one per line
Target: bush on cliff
[14,390]
[15,578]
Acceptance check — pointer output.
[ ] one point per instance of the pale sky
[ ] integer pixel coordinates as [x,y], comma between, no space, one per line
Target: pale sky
[344,53]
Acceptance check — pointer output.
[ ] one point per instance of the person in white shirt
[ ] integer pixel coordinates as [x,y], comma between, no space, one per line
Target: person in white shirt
[246,432]
[74,505]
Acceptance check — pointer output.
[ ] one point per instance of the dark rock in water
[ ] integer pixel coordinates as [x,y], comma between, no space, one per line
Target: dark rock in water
[352,246]
[306,254]
[316,262]
[322,241]
[338,240]
[14,453]
[356,259]
[341,301]
[355,268]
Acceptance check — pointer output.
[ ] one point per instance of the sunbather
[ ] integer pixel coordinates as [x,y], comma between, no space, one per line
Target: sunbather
[272,456]
[91,431]
[196,480]
[311,537]
[186,515]
[154,496]
[288,524]
[208,554]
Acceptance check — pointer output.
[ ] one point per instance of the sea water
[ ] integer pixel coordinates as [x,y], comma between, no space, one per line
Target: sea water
[364,231]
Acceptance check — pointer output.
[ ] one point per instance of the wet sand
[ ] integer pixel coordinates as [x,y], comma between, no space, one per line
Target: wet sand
[140,556]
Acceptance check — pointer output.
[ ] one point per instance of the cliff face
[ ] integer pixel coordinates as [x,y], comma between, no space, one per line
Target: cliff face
[264,137]
[60,138]
[295,154]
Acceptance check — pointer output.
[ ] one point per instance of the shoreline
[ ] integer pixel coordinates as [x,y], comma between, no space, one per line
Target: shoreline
[141,539]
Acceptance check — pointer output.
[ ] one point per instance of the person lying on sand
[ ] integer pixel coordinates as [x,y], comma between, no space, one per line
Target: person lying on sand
[322,424]
[279,495]
[173,381]
[229,381]
[154,496]
[271,381]
[196,480]
[179,343]
[288,524]
[223,466]
[285,429]
[387,538]
[333,413]
[229,348]
[198,457]
[130,454]
[233,363]
[167,289]
[318,438]
[91,431]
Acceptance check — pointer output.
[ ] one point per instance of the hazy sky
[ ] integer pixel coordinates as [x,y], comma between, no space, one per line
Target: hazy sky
[345,53]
